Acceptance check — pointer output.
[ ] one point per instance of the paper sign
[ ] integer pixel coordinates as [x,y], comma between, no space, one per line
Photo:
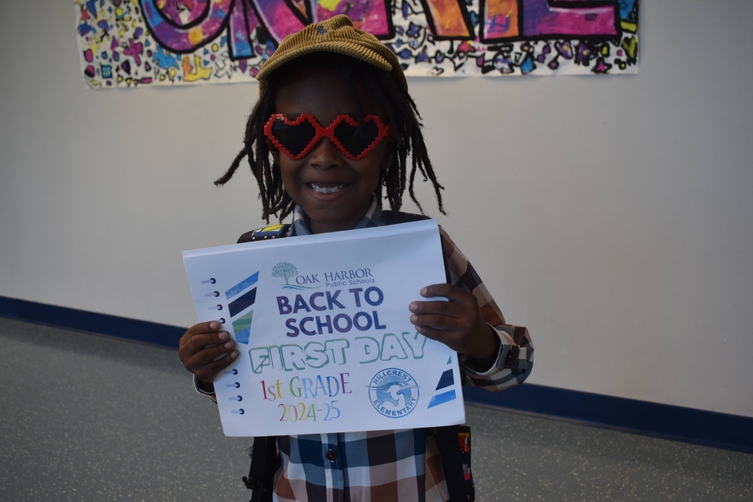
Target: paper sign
[324,333]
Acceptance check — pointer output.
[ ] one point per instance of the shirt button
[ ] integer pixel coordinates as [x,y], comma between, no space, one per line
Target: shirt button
[331,455]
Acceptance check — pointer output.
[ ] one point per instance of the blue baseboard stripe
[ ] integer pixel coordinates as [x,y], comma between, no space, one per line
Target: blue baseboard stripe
[123,327]
[706,428]
[718,430]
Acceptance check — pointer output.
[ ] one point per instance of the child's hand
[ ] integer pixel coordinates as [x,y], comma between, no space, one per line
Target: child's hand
[205,350]
[457,323]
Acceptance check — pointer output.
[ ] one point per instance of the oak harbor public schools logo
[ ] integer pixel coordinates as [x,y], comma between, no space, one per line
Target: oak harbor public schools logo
[393,392]
[289,273]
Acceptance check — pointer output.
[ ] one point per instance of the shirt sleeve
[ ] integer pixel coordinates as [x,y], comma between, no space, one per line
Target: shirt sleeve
[515,357]
[210,394]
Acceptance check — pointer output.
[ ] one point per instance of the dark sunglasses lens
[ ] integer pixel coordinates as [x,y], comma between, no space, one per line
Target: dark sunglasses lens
[356,139]
[293,138]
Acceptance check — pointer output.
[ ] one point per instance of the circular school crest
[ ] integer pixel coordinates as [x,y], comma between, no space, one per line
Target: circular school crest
[393,392]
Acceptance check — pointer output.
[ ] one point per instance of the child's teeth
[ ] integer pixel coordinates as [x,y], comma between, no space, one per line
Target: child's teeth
[322,189]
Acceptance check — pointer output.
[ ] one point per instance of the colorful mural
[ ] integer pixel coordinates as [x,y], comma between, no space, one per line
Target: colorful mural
[151,42]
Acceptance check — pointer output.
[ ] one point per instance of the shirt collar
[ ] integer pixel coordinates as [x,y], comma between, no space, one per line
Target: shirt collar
[372,218]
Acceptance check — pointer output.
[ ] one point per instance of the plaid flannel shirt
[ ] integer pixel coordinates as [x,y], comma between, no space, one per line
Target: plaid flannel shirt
[396,465]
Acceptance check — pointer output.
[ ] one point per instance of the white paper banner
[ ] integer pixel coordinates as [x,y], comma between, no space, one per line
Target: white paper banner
[324,332]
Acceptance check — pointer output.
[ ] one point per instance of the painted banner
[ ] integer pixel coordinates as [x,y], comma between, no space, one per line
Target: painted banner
[126,43]
[324,333]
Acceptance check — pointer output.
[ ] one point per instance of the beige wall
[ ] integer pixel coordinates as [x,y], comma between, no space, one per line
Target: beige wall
[613,216]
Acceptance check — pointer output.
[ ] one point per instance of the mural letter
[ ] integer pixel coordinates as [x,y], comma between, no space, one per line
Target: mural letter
[503,19]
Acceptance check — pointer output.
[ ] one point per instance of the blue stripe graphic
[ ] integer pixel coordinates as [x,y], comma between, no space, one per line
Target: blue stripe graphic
[442,398]
[244,284]
[445,380]
[242,302]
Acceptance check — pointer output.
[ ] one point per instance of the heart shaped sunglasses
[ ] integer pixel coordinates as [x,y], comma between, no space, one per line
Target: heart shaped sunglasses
[297,137]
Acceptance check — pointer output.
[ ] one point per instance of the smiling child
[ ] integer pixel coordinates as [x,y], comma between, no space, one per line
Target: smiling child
[333,134]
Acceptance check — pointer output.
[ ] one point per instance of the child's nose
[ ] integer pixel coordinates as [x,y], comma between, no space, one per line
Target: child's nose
[325,155]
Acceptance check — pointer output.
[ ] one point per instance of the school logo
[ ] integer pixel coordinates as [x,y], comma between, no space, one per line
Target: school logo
[241,298]
[289,273]
[393,392]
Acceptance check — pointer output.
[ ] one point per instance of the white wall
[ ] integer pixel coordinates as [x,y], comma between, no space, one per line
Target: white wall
[620,207]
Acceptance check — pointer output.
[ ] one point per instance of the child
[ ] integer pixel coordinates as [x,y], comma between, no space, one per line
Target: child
[331,179]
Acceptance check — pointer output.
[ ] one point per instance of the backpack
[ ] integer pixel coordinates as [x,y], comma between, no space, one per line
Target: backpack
[453,442]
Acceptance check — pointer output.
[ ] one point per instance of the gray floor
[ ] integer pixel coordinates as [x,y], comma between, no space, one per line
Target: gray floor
[92,418]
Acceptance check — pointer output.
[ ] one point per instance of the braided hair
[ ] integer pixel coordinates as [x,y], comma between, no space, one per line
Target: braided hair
[404,121]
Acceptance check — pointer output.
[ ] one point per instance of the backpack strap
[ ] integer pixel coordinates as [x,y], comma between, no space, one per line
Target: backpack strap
[454,444]
[261,473]
[262,234]
[396,217]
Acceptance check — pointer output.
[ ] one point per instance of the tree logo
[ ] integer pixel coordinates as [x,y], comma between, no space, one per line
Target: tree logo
[285,270]
[293,280]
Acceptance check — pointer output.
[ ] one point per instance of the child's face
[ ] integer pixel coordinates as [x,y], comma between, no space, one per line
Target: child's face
[334,191]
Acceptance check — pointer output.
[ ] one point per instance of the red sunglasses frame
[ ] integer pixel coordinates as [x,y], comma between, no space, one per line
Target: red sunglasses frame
[325,132]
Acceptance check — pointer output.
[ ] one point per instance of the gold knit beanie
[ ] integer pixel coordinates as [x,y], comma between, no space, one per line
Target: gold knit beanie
[333,35]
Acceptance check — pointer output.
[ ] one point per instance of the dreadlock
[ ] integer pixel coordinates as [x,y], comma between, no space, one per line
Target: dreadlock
[404,121]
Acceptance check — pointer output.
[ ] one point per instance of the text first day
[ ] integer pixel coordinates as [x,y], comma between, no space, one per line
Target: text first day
[341,351]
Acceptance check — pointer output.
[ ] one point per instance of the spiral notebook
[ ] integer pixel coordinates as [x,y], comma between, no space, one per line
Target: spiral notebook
[324,333]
